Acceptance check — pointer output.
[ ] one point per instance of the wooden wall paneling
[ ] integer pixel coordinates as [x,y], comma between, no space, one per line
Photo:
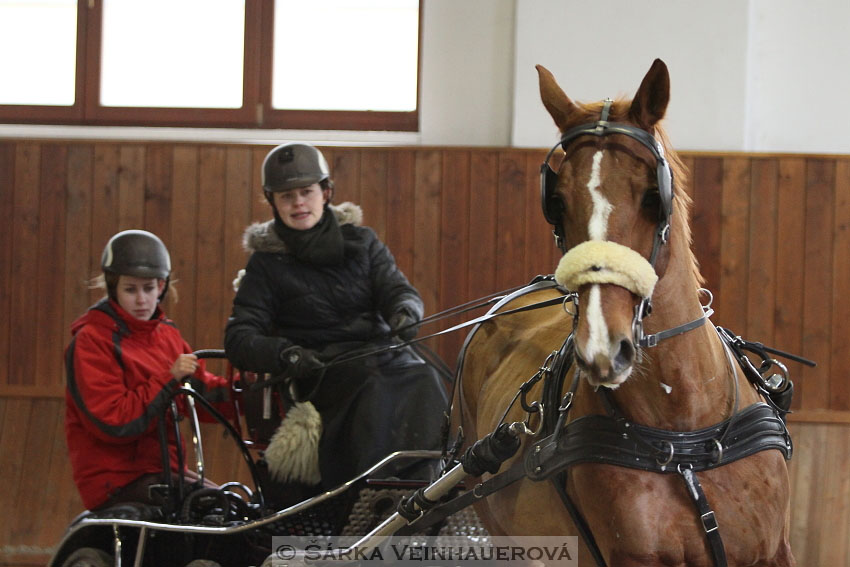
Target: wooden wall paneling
[707,194]
[104,204]
[78,235]
[374,186]
[7,197]
[731,297]
[47,304]
[25,221]
[541,252]
[483,204]
[761,283]
[839,389]
[183,245]
[211,282]
[426,226]
[511,220]
[13,443]
[803,469]
[454,250]
[790,256]
[157,190]
[834,506]
[61,501]
[36,466]
[237,216]
[260,208]
[400,203]
[131,187]
[817,296]
[345,172]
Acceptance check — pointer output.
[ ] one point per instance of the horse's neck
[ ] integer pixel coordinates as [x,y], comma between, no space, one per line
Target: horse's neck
[685,382]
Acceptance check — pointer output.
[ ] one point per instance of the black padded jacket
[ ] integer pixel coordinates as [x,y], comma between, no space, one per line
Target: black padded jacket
[283,301]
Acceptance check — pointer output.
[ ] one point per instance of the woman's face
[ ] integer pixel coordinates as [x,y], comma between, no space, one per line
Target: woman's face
[301,208]
[139,296]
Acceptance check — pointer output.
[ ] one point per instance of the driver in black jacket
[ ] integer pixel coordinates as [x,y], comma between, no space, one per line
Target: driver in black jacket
[317,286]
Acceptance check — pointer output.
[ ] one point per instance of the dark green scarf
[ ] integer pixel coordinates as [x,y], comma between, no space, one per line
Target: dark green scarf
[321,245]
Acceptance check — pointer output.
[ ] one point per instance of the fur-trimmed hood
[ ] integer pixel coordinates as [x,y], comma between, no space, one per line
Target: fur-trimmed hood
[261,237]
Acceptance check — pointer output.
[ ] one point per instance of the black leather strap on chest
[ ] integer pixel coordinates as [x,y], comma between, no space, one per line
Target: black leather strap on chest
[603,439]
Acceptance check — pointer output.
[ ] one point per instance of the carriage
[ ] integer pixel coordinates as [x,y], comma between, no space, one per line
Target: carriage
[661,438]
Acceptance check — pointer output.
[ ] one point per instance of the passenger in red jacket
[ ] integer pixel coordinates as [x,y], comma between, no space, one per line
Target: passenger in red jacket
[125,359]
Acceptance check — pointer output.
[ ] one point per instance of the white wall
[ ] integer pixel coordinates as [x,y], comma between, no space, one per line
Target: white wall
[601,49]
[746,75]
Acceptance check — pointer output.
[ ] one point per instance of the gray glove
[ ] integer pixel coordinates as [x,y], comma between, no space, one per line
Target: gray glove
[403,324]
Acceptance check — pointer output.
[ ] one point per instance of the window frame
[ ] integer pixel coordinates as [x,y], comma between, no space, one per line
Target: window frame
[256,111]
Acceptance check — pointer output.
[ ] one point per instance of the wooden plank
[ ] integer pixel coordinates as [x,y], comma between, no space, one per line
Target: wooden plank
[707,192]
[25,222]
[35,472]
[260,208]
[237,208]
[7,196]
[78,231]
[454,250]
[104,204]
[210,279]
[59,493]
[400,209]
[484,168]
[541,252]
[761,283]
[49,286]
[345,172]
[428,171]
[839,388]
[511,220]
[131,187]
[374,185]
[731,297]
[803,475]
[183,247]
[790,255]
[158,190]
[817,296]
[13,443]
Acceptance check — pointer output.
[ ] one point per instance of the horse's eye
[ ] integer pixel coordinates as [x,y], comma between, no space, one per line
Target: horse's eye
[651,200]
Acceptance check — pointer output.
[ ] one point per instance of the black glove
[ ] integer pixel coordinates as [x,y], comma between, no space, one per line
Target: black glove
[300,363]
[403,324]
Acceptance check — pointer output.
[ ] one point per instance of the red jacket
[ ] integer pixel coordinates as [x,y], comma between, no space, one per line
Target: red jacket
[119,380]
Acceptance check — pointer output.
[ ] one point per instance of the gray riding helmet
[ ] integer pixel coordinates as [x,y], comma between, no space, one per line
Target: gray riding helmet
[136,253]
[293,165]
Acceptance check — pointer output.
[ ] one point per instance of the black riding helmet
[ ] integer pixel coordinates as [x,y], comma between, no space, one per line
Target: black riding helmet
[293,165]
[137,253]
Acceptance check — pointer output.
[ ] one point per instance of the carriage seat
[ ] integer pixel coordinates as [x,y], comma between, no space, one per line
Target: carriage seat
[136,511]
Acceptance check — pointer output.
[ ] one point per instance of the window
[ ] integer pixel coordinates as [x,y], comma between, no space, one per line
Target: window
[322,64]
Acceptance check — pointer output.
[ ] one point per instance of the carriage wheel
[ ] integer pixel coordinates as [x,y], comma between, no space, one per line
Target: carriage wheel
[88,557]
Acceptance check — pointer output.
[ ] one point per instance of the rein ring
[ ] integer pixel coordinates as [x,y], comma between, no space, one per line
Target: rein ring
[669,458]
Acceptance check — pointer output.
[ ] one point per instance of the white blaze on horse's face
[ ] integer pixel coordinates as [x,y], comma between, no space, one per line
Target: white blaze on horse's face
[597,228]
[606,363]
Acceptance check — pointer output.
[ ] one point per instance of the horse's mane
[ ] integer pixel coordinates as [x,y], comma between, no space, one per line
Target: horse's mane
[619,112]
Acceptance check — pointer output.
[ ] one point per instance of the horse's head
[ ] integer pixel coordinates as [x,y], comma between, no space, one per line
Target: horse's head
[610,201]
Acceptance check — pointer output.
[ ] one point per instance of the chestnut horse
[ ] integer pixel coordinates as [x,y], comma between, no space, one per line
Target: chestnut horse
[619,209]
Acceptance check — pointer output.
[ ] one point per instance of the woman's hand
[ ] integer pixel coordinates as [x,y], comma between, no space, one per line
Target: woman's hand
[185,365]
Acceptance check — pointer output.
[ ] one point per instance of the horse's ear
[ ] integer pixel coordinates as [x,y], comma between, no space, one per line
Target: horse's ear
[559,105]
[650,102]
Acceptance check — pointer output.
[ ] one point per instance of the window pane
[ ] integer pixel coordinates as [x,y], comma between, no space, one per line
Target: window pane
[38,40]
[345,55]
[172,53]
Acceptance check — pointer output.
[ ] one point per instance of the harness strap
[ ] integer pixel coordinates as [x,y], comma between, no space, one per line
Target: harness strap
[560,483]
[603,439]
[654,339]
[706,515]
